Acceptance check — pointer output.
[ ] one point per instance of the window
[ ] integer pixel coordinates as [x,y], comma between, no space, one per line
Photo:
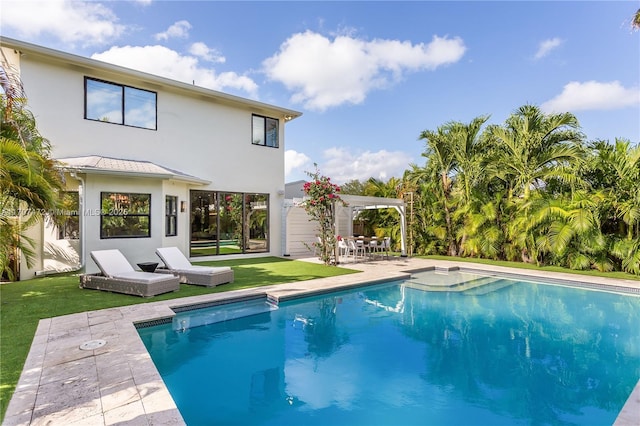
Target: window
[264,131]
[118,104]
[257,221]
[66,217]
[229,223]
[171,216]
[125,215]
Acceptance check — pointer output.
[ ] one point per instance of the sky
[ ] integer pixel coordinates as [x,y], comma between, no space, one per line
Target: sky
[369,77]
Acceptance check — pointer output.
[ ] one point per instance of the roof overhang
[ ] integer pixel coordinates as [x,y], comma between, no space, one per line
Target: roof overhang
[74,61]
[362,202]
[98,165]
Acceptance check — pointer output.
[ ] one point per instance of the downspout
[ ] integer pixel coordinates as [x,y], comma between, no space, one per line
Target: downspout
[81,190]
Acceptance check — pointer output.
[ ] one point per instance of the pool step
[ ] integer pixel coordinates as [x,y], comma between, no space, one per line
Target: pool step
[497,284]
[215,314]
[477,286]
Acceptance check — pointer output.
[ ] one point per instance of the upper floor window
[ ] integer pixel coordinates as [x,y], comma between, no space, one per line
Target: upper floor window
[115,103]
[264,131]
[125,215]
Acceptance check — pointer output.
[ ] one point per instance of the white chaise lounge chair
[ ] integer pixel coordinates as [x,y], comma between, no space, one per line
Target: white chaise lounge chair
[208,276]
[119,276]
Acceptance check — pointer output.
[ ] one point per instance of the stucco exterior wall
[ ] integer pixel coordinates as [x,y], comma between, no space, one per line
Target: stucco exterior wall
[196,136]
[198,133]
[301,232]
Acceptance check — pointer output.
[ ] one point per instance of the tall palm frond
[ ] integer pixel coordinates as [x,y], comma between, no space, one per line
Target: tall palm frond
[29,181]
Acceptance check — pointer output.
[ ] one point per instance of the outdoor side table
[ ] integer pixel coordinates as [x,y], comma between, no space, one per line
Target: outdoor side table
[148,266]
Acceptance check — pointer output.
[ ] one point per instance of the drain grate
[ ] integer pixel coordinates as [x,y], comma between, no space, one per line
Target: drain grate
[92,345]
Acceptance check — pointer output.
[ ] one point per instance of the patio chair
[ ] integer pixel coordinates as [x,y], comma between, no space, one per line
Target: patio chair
[176,263]
[386,246]
[343,248]
[355,248]
[118,276]
[374,246]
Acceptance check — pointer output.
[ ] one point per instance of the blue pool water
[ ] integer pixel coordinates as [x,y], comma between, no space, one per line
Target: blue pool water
[506,353]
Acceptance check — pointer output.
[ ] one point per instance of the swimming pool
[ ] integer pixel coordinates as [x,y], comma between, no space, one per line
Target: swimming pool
[417,351]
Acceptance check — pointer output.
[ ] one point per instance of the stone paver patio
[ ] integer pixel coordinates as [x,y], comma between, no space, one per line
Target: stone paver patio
[117,383]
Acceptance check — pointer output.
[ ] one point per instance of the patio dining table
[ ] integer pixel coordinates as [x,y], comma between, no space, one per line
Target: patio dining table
[366,243]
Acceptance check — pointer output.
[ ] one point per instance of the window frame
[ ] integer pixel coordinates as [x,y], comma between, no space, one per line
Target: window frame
[264,139]
[123,103]
[117,211]
[171,215]
[212,211]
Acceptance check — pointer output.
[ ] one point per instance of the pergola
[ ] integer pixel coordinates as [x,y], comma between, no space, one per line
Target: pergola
[357,203]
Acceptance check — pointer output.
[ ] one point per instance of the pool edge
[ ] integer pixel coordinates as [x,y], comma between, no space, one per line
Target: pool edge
[119,382]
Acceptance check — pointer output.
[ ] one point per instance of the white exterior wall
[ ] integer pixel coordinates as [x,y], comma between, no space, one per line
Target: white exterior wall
[198,133]
[35,234]
[181,240]
[136,250]
[301,232]
[196,136]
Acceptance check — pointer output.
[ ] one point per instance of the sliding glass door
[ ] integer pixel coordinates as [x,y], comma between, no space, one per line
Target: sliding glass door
[228,223]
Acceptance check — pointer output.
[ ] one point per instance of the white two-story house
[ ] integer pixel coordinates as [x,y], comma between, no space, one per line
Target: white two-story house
[150,162]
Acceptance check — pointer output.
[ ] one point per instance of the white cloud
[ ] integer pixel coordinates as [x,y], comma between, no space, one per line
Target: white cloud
[203,51]
[178,30]
[89,23]
[547,46]
[162,61]
[343,165]
[325,72]
[593,95]
[295,161]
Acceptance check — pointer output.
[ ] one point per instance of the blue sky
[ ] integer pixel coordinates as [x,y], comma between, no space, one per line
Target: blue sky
[369,77]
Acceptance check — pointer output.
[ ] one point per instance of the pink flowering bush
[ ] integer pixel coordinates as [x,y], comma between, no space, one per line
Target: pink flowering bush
[320,204]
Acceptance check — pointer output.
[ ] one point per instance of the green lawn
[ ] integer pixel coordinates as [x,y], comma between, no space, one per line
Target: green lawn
[24,303]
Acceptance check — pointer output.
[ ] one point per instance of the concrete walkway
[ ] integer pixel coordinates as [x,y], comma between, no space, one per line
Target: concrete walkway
[70,379]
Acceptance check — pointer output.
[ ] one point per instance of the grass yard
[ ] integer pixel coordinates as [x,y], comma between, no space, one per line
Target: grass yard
[24,303]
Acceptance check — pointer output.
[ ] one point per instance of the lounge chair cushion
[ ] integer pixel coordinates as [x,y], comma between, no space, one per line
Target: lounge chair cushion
[205,269]
[111,262]
[143,277]
[177,263]
[117,275]
[174,260]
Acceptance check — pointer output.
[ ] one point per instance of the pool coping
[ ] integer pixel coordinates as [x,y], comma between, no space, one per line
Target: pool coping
[117,383]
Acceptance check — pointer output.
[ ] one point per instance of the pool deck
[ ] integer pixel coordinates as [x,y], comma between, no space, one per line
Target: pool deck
[118,383]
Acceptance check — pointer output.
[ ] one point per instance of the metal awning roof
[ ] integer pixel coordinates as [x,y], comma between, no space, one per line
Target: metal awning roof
[96,164]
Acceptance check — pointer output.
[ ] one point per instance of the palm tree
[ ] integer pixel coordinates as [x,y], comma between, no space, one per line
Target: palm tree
[439,152]
[528,151]
[467,149]
[569,231]
[29,181]
[484,228]
[455,160]
[532,148]
[428,231]
[617,172]
[469,179]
